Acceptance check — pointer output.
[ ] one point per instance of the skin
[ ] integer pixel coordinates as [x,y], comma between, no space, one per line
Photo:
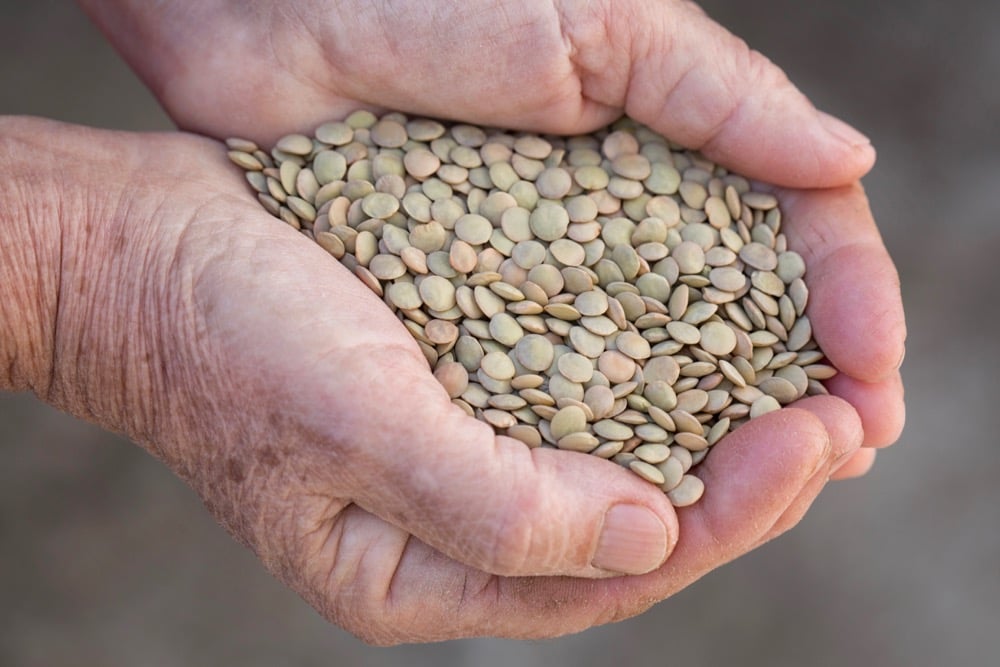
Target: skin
[147,291]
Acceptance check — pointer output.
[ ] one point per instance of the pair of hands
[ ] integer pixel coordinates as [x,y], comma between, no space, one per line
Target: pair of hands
[150,293]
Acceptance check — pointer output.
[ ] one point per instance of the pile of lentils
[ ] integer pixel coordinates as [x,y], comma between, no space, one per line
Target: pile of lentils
[611,293]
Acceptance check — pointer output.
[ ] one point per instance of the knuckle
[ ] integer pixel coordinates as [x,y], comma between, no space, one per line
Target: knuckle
[336,571]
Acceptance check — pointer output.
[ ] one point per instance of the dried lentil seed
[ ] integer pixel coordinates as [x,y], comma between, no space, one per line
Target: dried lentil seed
[462,247]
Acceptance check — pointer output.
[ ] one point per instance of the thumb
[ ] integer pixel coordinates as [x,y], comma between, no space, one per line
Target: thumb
[701,86]
[489,501]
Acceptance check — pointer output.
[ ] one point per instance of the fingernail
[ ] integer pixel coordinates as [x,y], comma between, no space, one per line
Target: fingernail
[843,131]
[633,541]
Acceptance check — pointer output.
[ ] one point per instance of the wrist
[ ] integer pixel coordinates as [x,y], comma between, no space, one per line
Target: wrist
[29,261]
[74,249]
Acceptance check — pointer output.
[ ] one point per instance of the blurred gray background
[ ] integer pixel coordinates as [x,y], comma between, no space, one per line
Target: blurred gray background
[106,559]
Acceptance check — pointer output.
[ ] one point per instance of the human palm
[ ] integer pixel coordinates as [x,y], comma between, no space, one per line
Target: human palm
[303,414]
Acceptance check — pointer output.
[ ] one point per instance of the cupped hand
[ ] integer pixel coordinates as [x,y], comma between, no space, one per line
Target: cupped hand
[267,374]
[263,69]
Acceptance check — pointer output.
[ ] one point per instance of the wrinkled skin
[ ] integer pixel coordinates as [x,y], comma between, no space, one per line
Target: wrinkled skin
[151,294]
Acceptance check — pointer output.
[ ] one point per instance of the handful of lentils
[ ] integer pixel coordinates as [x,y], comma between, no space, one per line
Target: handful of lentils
[611,293]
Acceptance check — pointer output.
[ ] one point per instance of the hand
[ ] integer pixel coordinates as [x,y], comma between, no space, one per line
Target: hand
[295,483]
[260,70]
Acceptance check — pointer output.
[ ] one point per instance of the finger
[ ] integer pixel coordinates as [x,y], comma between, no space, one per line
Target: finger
[488,501]
[705,88]
[387,587]
[380,583]
[855,304]
[752,477]
[880,405]
[844,428]
[858,464]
